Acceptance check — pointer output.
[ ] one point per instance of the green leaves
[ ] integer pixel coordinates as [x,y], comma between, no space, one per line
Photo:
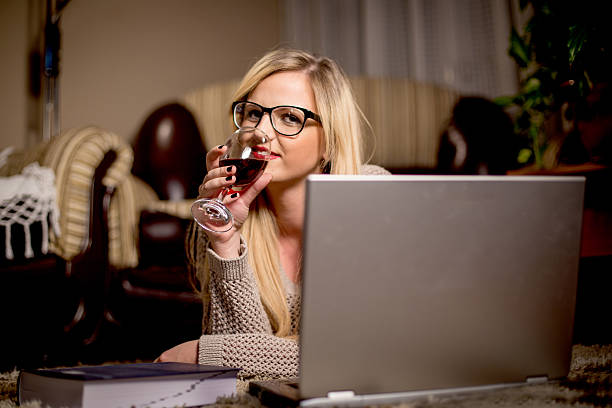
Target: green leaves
[504,101]
[532,85]
[519,50]
[524,156]
[576,41]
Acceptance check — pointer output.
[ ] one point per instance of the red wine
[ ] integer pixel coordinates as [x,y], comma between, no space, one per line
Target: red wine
[247,170]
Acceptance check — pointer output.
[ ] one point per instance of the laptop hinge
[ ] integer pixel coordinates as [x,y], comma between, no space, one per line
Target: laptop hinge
[337,395]
[537,379]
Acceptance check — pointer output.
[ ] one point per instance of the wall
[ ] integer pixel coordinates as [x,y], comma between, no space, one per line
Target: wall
[121,59]
[13,79]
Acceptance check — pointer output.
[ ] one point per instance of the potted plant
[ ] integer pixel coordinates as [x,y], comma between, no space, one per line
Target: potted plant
[562,54]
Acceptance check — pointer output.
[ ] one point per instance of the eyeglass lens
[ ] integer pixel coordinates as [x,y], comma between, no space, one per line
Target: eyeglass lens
[286,120]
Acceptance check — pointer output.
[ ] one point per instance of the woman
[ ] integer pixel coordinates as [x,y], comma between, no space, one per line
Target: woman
[250,275]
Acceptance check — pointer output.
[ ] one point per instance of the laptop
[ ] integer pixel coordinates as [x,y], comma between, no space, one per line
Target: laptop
[419,285]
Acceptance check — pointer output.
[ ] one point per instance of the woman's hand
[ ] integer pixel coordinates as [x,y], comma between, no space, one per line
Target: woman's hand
[227,244]
[183,353]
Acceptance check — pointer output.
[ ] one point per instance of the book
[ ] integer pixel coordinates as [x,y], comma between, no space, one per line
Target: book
[153,385]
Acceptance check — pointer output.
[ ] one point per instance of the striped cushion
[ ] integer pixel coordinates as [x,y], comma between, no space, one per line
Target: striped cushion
[181,208]
[211,106]
[130,198]
[74,156]
[407,117]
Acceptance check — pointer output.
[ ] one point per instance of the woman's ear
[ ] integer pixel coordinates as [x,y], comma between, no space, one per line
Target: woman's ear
[324,158]
[324,153]
[325,163]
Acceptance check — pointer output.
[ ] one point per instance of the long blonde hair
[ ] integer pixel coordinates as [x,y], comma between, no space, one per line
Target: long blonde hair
[343,124]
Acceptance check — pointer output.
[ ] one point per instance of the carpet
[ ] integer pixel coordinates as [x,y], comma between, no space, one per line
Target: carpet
[588,384]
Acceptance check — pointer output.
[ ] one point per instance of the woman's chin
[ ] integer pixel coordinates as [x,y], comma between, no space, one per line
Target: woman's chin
[281,174]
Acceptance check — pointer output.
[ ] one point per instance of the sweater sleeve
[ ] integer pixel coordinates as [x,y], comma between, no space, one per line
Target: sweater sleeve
[238,333]
[257,354]
[235,305]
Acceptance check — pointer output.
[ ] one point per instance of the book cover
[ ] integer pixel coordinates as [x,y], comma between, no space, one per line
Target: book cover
[153,385]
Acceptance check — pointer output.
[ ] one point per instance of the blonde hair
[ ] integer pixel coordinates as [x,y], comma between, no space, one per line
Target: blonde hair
[343,125]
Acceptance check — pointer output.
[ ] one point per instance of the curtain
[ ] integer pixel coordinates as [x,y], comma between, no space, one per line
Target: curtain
[459,44]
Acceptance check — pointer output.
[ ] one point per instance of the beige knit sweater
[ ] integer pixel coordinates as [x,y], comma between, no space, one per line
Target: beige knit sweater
[237,330]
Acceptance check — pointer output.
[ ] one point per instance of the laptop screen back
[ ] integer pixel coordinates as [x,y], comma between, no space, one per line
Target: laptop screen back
[429,282]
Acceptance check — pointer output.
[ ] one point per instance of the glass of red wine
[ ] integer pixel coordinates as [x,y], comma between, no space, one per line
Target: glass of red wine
[248,149]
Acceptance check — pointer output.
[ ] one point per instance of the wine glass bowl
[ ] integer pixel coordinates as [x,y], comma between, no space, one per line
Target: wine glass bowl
[248,150]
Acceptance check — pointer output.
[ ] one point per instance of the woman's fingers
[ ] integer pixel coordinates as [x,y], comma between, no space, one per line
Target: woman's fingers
[219,172]
[249,194]
[215,181]
[212,157]
[216,177]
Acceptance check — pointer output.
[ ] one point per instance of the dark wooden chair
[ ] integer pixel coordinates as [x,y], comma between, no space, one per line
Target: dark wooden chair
[155,303]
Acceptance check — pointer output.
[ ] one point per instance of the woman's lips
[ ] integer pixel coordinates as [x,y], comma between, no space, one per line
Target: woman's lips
[262,154]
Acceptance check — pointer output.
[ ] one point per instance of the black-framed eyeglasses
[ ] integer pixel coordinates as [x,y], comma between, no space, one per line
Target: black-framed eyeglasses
[286,120]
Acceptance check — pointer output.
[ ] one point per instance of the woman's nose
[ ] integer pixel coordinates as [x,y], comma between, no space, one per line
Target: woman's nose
[265,125]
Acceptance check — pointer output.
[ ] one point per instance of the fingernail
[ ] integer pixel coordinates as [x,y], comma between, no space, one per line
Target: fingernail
[228,178]
[220,147]
[234,195]
[229,169]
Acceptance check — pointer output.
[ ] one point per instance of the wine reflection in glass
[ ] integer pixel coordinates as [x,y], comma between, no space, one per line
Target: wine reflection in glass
[248,149]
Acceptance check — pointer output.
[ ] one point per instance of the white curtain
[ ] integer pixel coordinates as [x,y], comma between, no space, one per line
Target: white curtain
[458,44]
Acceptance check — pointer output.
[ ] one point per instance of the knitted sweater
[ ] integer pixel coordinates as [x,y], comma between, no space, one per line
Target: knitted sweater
[238,332]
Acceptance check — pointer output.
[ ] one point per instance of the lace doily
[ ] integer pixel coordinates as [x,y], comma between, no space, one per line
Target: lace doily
[27,198]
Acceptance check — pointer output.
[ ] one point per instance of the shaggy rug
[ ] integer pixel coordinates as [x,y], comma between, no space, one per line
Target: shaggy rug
[588,384]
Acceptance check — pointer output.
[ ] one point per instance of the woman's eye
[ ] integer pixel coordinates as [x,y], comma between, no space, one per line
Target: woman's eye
[291,119]
[252,115]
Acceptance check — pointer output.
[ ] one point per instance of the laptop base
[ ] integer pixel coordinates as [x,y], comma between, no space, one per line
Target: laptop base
[287,394]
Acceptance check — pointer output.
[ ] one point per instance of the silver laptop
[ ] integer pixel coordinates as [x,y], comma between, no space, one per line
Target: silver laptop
[416,285]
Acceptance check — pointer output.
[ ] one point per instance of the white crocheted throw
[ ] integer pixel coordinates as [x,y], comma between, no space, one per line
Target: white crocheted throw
[25,199]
